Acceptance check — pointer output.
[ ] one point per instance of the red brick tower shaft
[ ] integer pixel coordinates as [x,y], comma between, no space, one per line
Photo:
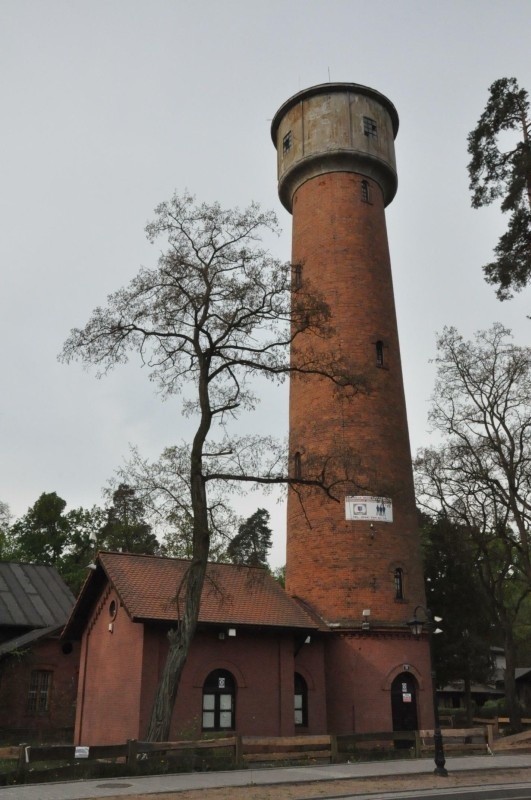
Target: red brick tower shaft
[336,166]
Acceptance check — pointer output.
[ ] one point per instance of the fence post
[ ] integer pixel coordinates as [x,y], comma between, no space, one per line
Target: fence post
[490,735]
[334,757]
[238,752]
[21,765]
[132,753]
[417,745]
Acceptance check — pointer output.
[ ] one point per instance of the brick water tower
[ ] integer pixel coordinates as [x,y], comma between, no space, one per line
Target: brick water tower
[356,562]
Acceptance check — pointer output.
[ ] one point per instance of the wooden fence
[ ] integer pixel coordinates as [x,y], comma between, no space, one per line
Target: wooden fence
[241,751]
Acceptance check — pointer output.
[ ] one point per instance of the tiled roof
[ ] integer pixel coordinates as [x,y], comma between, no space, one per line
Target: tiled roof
[33,596]
[232,594]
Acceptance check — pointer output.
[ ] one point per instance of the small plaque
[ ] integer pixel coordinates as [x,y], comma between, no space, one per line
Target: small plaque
[82,752]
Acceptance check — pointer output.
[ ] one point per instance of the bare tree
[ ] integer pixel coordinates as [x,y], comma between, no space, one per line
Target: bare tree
[216,313]
[480,478]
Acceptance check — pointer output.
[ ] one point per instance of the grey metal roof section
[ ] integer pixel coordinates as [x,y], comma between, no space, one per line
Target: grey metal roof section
[33,596]
[20,642]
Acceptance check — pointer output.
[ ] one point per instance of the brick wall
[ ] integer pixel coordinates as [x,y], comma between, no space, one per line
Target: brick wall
[340,566]
[16,718]
[108,706]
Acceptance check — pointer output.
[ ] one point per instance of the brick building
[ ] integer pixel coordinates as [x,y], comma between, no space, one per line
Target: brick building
[253,645]
[38,672]
[334,652]
[356,562]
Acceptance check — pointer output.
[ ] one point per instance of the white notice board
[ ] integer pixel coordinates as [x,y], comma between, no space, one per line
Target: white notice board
[369,509]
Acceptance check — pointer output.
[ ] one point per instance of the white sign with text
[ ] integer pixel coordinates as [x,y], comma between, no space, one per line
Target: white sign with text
[369,509]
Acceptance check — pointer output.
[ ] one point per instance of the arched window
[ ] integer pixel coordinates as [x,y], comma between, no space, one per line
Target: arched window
[379,353]
[365,192]
[300,701]
[297,465]
[219,694]
[399,584]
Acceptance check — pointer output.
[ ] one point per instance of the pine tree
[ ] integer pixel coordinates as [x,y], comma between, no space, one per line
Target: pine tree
[503,173]
[253,541]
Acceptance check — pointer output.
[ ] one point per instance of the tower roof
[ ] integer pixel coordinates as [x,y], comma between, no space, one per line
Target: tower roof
[332,88]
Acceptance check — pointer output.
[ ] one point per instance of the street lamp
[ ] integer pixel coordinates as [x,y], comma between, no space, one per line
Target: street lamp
[416,626]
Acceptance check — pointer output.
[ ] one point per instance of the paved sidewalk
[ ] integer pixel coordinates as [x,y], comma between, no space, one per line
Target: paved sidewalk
[103,787]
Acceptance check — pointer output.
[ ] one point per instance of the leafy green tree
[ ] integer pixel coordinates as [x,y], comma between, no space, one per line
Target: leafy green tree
[5,533]
[455,592]
[499,170]
[279,574]
[41,535]
[252,543]
[84,528]
[216,312]
[126,528]
[47,534]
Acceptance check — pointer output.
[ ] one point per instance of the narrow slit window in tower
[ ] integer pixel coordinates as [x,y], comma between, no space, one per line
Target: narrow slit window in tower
[365,192]
[399,584]
[370,128]
[379,353]
[297,276]
[297,465]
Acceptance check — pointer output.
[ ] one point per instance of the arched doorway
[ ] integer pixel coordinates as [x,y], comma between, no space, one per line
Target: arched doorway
[404,705]
[219,695]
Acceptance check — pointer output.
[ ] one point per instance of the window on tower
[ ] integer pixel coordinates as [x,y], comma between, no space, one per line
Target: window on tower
[370,128]
[297,276]
[297,465]
[399,584]
[379,353]
[365,192]
[287,142]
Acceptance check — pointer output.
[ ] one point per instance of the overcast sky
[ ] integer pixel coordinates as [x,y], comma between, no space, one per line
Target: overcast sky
[108,106]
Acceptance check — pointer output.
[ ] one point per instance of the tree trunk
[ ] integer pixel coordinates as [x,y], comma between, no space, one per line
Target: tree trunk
[180,639]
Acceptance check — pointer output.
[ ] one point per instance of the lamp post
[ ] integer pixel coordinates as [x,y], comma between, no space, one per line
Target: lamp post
[416,625]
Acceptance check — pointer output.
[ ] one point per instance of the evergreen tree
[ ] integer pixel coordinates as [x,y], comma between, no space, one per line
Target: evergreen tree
[253,541]
[503,173]
[126,528]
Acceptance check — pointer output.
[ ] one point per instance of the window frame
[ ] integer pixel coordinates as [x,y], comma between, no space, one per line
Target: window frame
[287,142]
[398,578]
[39,692]
[300,700]
[365,191]
[380,353]
[370,128]
[216,696]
